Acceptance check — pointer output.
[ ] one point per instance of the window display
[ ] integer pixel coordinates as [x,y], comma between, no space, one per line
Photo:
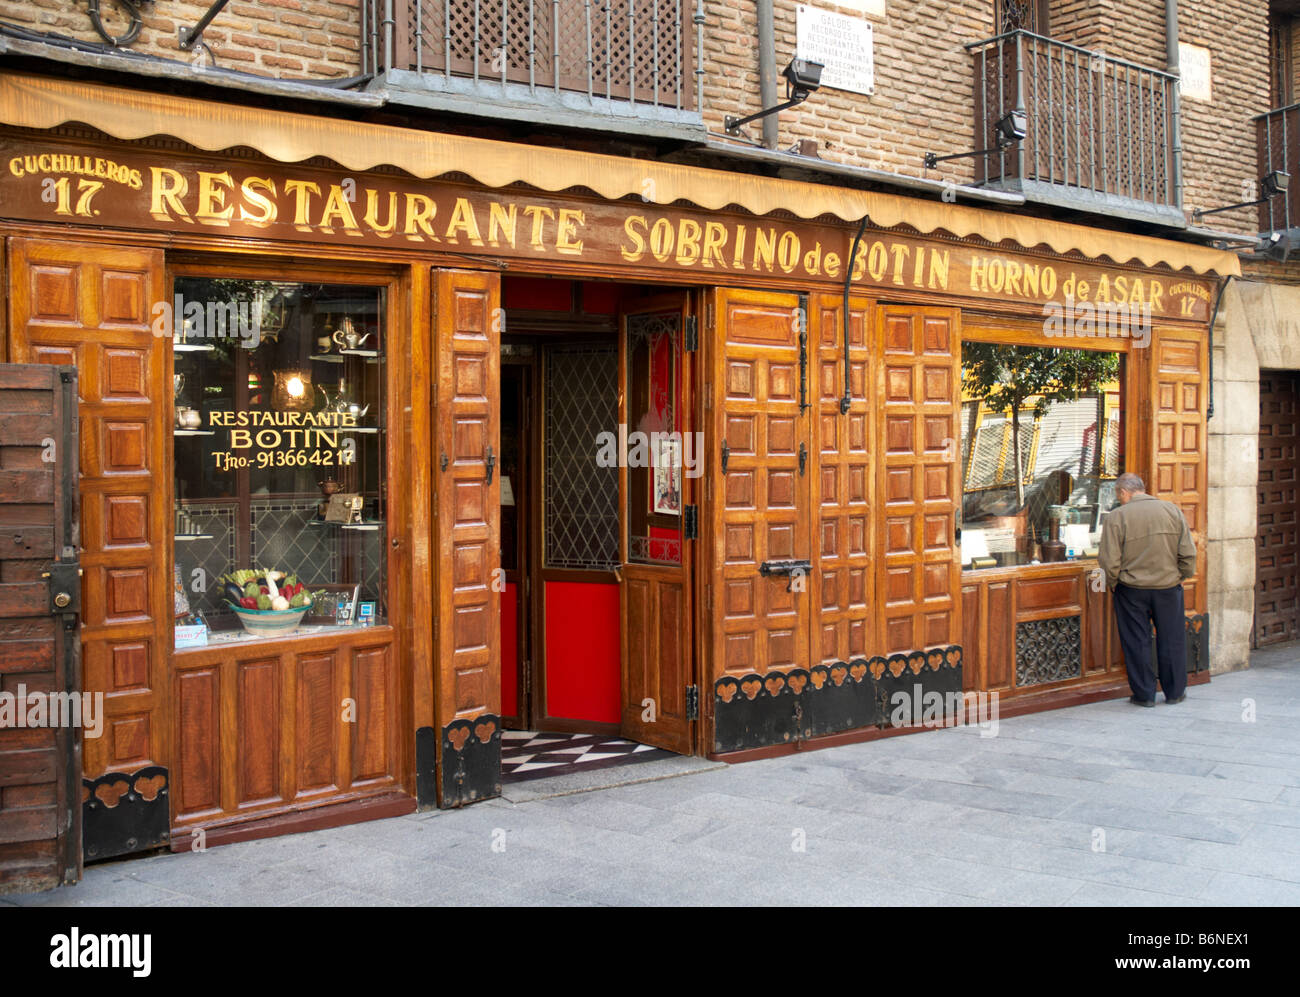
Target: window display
[279,462]
[1041,446]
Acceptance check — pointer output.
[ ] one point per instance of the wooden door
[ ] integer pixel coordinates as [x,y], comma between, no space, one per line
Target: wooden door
[40,595]
[467,326]
[1277,548]
[90,306]
[919,387]
[1178,434]
[656,633]
[759,404]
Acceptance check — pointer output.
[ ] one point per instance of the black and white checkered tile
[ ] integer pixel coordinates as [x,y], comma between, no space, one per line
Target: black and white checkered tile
[527,754]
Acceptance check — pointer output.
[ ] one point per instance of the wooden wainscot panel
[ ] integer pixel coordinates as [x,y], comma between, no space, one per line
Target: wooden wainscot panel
[268,727]
[1000,650]
[1040,597]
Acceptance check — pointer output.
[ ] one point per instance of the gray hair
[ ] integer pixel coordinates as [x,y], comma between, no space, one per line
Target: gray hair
[1129,482]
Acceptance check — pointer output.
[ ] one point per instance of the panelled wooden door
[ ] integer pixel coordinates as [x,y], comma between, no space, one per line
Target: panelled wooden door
[761,507]
[40,767]
[843,580]
[656,607]
[1178,434]
[90,306]
[467,329]
[1277,546]
[919,387]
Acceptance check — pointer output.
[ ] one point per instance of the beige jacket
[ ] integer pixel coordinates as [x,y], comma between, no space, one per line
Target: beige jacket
[1146,544]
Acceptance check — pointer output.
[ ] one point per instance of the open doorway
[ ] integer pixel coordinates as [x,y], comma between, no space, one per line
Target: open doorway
[597,627]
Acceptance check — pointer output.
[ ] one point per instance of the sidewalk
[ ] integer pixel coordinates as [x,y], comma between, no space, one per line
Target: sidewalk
[1096,805]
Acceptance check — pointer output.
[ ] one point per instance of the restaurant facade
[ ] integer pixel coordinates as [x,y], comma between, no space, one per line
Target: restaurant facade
[560,441]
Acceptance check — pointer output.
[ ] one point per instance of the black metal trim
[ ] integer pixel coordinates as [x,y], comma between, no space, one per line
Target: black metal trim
[780,707]
[471,760]
[691,335]
[691,522]
[426,767]
[136,820]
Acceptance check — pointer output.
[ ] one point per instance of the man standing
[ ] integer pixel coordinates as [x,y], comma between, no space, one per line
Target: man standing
[1146,552]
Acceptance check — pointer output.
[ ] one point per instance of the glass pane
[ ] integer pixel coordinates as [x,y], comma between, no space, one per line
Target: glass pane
[654,415]
[279,440]
[581,503]
[1064,409]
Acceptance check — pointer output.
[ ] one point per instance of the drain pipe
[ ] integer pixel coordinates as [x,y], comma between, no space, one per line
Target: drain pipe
[848,282]
[767,70]
[1174,67]
[1209,401]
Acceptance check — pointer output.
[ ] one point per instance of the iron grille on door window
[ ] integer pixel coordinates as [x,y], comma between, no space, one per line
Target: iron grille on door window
[580,402]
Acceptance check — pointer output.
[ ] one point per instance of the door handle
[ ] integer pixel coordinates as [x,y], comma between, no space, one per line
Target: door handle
[491,463]
[803,457]
[787,568]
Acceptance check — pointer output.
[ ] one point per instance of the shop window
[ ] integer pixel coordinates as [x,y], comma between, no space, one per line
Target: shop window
[1062,411]
[654,484]
[580,402]
[279,450]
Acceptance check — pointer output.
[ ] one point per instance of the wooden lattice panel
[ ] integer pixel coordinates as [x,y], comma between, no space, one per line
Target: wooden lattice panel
[919,574]
[762,504]
[1179,445]
[843,583]
[90,306]
[467,328]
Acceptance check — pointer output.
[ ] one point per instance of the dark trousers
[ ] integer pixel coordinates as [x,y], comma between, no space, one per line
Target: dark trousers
[1135,611]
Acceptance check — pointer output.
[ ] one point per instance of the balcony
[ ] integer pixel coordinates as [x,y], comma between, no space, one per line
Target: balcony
[1101,136]
[628,66]
[1277,136]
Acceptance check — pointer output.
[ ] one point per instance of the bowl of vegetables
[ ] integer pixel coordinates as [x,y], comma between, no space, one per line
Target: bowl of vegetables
[268,603]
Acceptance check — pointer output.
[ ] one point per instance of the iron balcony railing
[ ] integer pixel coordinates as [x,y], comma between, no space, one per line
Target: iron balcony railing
[1102,133]
[1277,136]
[639,53]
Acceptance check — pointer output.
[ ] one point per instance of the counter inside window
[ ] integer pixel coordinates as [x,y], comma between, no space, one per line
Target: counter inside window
[280,498]
[1042,442]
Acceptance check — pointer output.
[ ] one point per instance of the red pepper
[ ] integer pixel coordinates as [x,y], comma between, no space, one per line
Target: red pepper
[248,602]
[265,590]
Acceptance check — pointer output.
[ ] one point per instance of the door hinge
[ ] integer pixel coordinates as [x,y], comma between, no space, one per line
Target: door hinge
[691,337]
[692,702]
[691,523]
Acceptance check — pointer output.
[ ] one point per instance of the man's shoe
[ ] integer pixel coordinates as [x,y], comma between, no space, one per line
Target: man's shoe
[1141,702]
[1176,699]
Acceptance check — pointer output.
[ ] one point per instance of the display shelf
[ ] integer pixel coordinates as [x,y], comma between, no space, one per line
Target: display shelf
[369,355]
[326,358]
[193,536]
[194,432]
[193,347]
[366,526]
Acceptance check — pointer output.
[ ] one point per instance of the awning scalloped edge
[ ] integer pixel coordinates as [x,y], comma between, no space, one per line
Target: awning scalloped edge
[28,101]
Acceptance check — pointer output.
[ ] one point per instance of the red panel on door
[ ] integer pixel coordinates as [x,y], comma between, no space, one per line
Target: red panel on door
[510,651]
[540,294]
[582,653]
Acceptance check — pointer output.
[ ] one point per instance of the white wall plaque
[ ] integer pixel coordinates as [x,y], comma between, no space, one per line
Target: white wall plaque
[841,44]
[1194,64]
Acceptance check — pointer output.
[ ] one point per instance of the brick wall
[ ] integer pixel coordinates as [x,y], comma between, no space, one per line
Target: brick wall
[294,39]
[923,92]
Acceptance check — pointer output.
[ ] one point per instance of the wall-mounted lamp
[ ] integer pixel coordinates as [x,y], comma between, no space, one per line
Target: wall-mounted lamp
[292,391]
[1010,129]
[1270,185]
[802,77]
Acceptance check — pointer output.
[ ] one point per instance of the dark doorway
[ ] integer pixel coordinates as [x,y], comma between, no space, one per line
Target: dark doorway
[1277,545]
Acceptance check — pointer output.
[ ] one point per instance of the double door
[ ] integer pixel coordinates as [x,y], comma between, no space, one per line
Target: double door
[598,460]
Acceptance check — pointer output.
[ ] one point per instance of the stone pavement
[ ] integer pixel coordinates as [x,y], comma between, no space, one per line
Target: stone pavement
[1095,805]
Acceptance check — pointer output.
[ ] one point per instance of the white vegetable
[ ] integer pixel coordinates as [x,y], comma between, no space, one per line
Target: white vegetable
[279,602]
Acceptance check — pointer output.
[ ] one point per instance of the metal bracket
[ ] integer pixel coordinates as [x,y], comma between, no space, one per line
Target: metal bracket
[442,464]
[65,586]
[803,456]
[691,523]
[691,337]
